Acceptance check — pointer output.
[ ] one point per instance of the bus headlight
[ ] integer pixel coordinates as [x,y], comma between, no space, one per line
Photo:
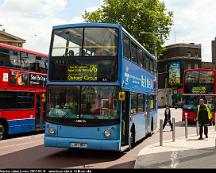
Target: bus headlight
[52,130]
[186,113]
[107,133]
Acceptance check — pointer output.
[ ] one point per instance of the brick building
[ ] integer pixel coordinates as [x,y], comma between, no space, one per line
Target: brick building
[11,39]
[214,51]
[171,66]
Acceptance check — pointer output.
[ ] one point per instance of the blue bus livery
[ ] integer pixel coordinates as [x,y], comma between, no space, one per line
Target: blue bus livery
[101,89]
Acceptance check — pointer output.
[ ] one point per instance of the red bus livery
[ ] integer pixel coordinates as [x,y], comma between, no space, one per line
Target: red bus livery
[198,83]
[23,76]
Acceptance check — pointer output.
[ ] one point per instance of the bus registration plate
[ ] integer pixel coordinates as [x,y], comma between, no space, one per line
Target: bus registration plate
[78,145]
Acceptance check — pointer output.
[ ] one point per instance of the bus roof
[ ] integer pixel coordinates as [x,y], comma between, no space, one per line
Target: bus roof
[87,25]
[21,49]
[102,25]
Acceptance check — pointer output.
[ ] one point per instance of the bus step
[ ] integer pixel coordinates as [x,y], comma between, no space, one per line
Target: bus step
[123,148]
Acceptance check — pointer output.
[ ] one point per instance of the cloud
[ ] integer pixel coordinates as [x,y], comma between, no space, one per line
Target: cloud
[194,22]
[91,9]
[33,20]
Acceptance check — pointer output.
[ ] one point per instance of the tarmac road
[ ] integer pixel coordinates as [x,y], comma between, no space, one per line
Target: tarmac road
[29,152]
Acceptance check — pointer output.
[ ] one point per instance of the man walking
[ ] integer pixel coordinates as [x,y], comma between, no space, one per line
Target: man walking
[167,118]
[203,117]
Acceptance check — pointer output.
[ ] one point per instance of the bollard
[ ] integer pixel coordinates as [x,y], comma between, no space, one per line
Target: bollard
[186,127]
[197,128]
[161,132]
[173,127]
[215,143]
[215,121]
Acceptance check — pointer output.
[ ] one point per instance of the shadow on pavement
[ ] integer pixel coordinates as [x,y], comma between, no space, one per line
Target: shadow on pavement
[42,157]
[125,165]
[197,158]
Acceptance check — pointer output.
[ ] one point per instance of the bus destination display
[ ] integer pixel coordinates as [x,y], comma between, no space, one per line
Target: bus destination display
[82,73]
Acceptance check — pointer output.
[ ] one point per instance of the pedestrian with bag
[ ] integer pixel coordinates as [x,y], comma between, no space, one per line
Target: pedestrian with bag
[203,116]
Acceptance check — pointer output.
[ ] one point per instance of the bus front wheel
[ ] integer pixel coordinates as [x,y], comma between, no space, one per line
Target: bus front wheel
[3,130]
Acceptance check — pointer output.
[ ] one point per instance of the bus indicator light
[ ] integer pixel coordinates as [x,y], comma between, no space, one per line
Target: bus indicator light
[122,96]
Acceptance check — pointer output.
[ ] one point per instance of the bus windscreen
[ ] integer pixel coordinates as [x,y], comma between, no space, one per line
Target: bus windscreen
[199,82]
[84,54]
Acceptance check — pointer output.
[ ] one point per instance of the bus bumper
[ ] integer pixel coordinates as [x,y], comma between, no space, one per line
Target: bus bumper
[92,144]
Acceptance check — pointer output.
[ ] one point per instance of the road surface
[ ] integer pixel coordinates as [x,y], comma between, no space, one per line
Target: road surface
[29,152]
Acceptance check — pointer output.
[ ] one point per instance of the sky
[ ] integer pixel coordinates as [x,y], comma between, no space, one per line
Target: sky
[32,20]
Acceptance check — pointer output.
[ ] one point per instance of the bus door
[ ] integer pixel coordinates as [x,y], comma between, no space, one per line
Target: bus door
[147,114]
[125,120]
[39,111]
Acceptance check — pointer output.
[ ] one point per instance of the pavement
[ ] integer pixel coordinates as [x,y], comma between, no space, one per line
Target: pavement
[183,153]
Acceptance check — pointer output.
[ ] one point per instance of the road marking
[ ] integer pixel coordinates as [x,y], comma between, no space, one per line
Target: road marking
[174,159]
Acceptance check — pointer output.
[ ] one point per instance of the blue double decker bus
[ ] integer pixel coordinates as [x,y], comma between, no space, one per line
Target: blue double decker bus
[102,88]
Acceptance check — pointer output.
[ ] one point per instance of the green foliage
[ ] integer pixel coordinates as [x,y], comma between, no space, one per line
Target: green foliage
[137,16]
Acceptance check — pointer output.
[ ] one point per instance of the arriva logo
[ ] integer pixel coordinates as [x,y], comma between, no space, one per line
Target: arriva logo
[80,121]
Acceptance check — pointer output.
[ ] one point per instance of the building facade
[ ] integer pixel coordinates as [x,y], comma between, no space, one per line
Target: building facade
[171,65]
[208,65]
[11,39]
[214,51]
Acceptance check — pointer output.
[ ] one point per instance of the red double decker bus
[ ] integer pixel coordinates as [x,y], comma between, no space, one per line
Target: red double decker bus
[23,75]
[198,83]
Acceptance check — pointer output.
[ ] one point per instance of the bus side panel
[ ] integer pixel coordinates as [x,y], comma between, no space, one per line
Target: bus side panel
[140,121]
[153,115]
[21,126]
[19,120]
[191,116]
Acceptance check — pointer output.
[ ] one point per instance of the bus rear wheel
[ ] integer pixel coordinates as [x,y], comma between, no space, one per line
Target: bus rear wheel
[131,139]
[3,130]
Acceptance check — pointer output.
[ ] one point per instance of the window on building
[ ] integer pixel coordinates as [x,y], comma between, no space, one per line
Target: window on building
[166,82]
[196,66]
[165,69]
[189,66]
[189,54]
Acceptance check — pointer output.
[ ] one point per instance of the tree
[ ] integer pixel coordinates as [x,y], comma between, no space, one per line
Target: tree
[137,16]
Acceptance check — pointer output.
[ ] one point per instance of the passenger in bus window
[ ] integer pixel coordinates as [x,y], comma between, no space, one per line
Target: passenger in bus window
[71,53]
